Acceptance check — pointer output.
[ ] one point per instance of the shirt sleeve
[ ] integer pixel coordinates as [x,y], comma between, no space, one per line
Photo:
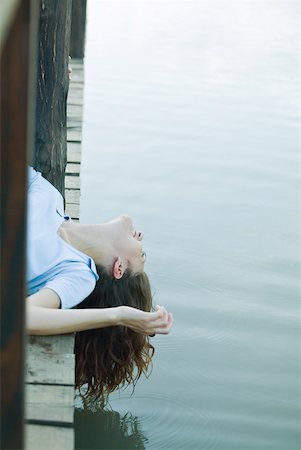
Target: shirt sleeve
[73,284]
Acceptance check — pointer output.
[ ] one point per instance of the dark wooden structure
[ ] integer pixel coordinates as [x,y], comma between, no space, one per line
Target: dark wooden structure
[17,88]
[78,29]
[53,81]
[45,146]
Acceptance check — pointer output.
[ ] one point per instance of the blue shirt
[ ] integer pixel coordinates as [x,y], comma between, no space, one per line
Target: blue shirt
[51,262]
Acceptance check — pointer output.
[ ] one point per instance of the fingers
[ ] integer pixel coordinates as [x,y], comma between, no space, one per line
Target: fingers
[160,315]
[161,310]
[164,327]
[161,321]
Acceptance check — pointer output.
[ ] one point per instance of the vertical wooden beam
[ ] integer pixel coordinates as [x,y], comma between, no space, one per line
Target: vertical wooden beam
[16,53]
[52,90]
[78,29]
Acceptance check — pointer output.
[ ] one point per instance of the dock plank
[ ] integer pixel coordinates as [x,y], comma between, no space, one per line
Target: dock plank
[46,437]
[75,93]
[74,100]
[73,155]
[73,210]
[72,168]
[72,182]
[74,135]
[75,110]
[59,401]
[56,368]
[51,344]
[72,196]
[73,124]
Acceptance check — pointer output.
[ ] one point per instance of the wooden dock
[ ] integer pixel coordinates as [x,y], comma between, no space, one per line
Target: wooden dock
[49,391]
[74,139]
[49,394]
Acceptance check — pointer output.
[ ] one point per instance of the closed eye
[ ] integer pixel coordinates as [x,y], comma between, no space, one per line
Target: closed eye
[143,255]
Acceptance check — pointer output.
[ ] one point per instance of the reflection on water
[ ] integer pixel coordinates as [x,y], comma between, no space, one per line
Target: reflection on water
[141,415]
[107,430]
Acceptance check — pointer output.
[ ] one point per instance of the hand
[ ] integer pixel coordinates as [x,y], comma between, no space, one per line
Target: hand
[149,323]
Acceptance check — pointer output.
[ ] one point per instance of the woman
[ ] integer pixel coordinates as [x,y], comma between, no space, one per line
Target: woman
[100,270]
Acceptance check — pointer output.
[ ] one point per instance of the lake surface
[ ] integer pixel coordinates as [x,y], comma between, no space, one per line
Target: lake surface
[191,125]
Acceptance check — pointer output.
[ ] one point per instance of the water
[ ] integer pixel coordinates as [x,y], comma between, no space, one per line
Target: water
[191,127]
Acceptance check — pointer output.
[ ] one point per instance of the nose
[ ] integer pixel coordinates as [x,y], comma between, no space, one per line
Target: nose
[138,235]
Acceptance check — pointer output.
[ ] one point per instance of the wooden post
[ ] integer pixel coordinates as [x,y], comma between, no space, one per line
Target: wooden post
[17,58]
[53,82]
[78,29]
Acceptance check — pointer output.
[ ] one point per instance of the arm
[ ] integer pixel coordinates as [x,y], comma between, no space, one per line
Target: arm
[45,318]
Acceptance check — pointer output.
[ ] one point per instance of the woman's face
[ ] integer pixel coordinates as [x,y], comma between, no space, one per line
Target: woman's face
[127,242]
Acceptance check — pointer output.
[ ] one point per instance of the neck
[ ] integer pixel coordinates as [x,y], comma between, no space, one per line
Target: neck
[93,240]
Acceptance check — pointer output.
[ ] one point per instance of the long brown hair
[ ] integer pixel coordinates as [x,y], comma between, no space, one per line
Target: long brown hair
[108,358]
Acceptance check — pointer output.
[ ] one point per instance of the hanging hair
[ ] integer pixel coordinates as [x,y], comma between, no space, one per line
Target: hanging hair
[112,357]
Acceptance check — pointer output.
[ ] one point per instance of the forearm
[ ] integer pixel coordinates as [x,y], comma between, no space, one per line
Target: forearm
[47,321]
[43,317]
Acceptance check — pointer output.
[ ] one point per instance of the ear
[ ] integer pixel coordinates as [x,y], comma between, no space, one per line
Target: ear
[118,269]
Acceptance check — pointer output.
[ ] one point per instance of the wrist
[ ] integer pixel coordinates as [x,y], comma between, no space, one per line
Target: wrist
[119,315]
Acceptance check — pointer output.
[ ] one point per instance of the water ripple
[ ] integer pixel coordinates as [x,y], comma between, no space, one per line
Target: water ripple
[168,421]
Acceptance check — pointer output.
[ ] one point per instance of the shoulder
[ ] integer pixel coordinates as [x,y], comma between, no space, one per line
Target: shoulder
[46,298]
[65,290]
[72,284]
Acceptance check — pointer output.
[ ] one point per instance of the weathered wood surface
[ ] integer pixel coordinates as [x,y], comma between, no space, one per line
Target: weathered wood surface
[59,401]
[72,125]
[50,359]
[73,211]
[49,392]
[59,344]
[17,58]
[74,135]
[74,152]
[47,437]
[72,168]
[72,196]
[74,139]
[72,182]
[52,89]
[50,369]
